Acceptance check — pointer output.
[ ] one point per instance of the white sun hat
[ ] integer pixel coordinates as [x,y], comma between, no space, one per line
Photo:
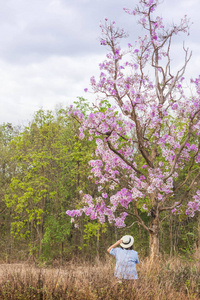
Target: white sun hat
[127,241]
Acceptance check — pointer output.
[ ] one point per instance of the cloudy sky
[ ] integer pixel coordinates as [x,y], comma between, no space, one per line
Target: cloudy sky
[49,49]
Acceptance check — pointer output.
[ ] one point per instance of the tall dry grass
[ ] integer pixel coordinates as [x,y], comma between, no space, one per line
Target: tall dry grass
[171,279]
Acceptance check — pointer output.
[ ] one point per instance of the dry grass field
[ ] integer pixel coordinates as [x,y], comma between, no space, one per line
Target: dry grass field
[166,279]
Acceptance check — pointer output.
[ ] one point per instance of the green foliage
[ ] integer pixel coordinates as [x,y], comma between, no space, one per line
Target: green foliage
[56,230]
[83,105]
[50,170]
[92,229]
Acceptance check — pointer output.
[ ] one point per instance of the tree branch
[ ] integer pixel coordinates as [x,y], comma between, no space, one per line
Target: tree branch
[184,196]
[123,158]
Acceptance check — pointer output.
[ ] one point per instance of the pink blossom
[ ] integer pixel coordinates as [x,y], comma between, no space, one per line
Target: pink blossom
[104,195]
[144,166]
[103,42]
[193,147]
[150,138]
[144,207]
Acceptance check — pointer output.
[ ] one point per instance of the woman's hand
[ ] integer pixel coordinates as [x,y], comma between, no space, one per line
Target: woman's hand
[119,242]
[114,245]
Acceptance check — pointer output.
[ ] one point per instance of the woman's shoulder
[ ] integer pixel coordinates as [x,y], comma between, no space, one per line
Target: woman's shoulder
[134,252]
[119,249]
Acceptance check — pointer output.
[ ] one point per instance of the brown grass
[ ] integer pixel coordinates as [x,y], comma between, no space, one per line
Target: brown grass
[171,279]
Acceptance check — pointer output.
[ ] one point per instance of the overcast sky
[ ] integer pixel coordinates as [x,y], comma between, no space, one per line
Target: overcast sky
[49,49]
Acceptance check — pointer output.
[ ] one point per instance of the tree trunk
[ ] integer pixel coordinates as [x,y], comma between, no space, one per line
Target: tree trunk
[197,251]
[153,246]
[154,237]
[199,232]
[98,244]
[62,250]
[171,234]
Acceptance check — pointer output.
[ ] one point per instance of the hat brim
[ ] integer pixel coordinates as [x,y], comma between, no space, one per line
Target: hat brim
[129,244]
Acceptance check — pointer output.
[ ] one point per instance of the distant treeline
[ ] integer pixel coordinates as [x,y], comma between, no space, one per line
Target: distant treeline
[43,170]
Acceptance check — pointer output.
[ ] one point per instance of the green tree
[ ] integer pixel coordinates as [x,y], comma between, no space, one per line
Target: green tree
[7,169]
[51,169]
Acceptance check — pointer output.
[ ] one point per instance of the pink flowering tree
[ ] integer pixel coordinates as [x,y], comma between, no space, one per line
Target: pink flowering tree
[148,141]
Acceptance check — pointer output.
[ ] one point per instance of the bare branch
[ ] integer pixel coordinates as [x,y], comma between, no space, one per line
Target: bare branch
[184,196]
[132,224]
[136,215]
[179,153]
[123,158]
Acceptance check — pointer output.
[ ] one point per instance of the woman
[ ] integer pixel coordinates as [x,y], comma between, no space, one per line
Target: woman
[126,258]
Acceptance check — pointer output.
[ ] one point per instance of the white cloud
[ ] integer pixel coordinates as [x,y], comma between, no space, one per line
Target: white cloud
[26,88]
[50,49]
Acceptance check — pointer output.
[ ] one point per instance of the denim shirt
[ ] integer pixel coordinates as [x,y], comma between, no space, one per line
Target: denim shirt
[125,263]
